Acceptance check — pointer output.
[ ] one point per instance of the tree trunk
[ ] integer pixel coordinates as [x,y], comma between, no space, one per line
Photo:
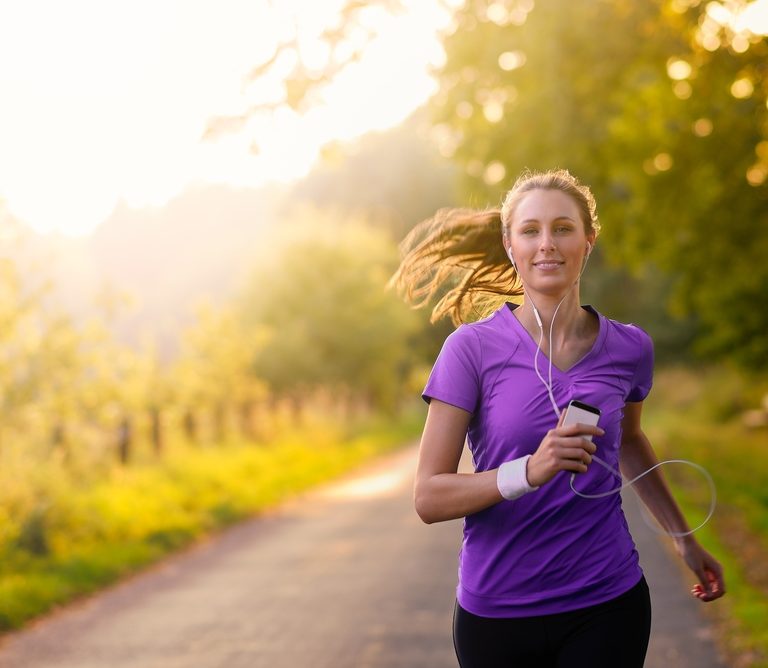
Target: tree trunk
[190,426]
[246,420]
[220,421]
[124,440]
[156,428]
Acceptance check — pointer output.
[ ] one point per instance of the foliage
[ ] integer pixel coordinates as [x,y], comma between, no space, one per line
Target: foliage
[396,176]
[73,517]
[697,416]
[664,115]
[350,26]
[70,536]
[215,365]
[395,179]
[328,319]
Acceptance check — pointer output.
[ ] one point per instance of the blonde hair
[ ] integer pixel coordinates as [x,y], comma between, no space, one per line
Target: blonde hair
[557,179]
[459,256]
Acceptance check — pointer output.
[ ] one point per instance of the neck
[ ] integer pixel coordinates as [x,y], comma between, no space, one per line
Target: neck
[568,307]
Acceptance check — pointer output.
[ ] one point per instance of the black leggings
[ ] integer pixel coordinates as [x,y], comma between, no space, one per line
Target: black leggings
[608,635]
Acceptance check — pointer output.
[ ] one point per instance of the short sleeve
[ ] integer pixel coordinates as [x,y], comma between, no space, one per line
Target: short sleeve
[455,377]
[643,376]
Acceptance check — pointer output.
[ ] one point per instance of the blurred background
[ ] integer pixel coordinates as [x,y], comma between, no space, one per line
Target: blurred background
[201,205]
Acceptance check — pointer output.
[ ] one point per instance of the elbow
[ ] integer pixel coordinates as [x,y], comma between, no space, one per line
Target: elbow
[424,509]
[424,514]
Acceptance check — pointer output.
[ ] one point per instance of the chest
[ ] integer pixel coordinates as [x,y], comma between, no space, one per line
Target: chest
[568,354]
[517,412]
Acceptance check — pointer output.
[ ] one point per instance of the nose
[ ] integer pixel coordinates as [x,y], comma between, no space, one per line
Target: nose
[547,240]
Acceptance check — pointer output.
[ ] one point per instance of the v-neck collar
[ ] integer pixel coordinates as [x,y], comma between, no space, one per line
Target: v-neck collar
[528,340]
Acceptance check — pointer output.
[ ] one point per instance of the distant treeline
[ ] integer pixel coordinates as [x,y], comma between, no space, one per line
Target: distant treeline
[313,324]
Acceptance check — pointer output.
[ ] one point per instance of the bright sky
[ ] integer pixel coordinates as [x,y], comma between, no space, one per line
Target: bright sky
[104,100]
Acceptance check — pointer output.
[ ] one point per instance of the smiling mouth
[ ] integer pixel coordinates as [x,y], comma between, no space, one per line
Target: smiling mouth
[547,265]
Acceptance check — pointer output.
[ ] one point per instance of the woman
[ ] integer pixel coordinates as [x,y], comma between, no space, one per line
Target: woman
[546,577]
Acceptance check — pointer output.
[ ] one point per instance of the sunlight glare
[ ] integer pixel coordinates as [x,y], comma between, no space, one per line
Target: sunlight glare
[754,18]
[383,484]
[113,108]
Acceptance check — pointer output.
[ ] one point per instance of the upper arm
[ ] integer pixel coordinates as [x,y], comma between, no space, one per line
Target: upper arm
[443,439]
[630,424]
[636,454]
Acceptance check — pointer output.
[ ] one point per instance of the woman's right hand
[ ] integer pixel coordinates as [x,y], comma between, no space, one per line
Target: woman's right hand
[562,449]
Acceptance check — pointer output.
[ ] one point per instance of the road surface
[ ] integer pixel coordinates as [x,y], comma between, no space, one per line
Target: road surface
[346,576]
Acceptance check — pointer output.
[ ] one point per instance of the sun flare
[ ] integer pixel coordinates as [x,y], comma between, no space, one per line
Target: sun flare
[108,102]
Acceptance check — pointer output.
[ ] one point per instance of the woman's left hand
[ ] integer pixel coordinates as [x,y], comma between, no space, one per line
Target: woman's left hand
[711,584]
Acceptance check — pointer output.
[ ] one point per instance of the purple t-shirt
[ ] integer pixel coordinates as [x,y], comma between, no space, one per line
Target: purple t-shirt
[548,551]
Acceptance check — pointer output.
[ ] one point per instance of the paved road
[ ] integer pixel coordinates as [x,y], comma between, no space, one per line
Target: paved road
[346,576]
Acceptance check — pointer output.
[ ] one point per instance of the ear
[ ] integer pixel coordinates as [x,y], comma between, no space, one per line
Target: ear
[591,238]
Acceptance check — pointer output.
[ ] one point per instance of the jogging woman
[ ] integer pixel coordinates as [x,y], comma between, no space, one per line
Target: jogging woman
[546,577]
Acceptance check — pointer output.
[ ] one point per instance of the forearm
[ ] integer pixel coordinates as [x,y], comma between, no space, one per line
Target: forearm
[638,456]
[449,496]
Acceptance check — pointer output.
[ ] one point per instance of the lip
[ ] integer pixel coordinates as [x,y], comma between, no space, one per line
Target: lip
[548,265]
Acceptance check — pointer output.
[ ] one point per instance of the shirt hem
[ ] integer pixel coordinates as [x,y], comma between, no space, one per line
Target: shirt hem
[501,607]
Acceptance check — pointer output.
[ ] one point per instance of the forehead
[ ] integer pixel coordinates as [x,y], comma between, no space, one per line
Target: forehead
[543,205]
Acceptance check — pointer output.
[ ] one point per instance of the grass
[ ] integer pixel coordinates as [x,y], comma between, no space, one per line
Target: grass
[696,416]
[63,536]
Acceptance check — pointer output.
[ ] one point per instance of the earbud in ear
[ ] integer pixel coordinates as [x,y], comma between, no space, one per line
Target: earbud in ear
[512,259]
[589,249]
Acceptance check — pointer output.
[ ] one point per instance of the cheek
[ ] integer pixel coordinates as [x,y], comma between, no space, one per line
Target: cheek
[521,246]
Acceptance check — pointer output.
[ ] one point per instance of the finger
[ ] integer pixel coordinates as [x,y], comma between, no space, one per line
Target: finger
[580,455]
[575,459]
[697,591]
[702,595]
[716,573]
[706,583]
[721,585]
[717,584]
[709,588]
[574,447]
[578,428]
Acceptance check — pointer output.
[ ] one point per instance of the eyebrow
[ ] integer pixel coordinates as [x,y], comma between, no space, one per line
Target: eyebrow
[556,218]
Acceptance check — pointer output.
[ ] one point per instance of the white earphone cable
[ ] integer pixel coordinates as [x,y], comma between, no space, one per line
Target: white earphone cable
[595,458]
[629,483]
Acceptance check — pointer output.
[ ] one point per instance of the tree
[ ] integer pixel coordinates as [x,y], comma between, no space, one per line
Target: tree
[395,176]
[329,319]
[301,79]
[215,369]
[668,126]
[40,352]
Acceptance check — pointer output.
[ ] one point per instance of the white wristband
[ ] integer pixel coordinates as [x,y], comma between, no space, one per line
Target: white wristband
[511,478]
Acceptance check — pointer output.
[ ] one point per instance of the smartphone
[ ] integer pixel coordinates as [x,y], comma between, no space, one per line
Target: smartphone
[580,412]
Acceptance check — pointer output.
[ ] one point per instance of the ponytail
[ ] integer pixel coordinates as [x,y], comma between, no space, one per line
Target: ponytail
[461,251]
[458,256]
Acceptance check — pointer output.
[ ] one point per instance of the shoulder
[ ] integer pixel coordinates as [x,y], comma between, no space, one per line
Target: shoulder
[627,335]
[479,339]
[489,326]
[631,347]
[488,330]
[464,336]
